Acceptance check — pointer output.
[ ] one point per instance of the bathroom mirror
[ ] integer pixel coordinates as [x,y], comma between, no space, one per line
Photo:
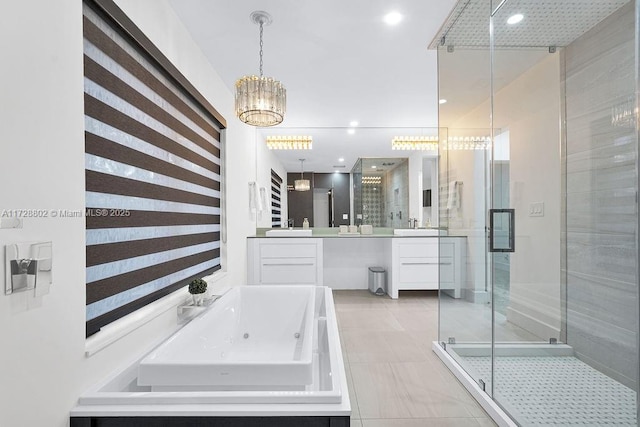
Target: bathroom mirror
[333,160]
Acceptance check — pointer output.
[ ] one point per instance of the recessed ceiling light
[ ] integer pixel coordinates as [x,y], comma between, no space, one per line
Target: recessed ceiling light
[392,18]
[373,166]
[341,159]
[353,123]
[514,19]
[351,131]
[442,101]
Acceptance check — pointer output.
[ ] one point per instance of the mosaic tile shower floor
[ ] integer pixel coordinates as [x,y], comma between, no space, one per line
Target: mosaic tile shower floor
[542,391]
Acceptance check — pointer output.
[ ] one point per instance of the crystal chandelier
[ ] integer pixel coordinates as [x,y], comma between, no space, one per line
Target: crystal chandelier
[260,101]
[302,184]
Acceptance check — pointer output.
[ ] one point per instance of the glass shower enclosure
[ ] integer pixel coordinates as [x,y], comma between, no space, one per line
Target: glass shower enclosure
[538,171]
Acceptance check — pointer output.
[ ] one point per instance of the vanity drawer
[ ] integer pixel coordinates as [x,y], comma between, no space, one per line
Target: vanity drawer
[430,248]
[285,261]
[288,250]
[294,271]
[418,248]
[425,272]
[419,272]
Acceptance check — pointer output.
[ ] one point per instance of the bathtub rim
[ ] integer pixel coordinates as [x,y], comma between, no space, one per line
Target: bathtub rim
[97,403]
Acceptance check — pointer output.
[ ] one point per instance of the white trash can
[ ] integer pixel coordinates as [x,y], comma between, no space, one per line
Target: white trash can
[377,282]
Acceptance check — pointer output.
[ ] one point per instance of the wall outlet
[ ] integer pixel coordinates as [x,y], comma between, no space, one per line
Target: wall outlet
[536,209]
[345,216]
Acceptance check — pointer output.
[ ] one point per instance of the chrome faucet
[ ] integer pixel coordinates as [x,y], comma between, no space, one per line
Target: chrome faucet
[413,222]
[290,223]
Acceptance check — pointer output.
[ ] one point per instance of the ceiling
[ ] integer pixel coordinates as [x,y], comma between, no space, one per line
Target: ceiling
[339,62]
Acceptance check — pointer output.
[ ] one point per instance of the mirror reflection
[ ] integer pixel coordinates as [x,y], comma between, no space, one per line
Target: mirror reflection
[383,177]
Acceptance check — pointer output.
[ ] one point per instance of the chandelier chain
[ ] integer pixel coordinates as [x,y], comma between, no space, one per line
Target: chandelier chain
[261,49]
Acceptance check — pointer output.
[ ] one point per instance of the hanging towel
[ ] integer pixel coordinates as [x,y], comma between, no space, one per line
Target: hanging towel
[253,197]
[453,196]
[262,206]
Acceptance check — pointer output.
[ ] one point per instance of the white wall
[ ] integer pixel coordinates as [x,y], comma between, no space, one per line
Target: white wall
[533,119]
[529,108]
[43,368]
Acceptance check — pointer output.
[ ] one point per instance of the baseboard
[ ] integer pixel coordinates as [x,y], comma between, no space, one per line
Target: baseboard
[477,297]
[531,324]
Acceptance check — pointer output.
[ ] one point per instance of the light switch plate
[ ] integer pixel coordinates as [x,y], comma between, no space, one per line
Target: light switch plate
[536,209]
[345,216]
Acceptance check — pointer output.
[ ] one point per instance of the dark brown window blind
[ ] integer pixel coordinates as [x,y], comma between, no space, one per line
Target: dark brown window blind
[152,160]
[276,200]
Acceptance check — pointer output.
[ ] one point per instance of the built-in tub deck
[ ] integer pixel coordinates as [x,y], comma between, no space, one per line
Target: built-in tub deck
[291,373]
[255,337]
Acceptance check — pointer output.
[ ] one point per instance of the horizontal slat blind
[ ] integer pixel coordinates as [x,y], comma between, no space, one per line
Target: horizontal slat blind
[152,158]
[276,200]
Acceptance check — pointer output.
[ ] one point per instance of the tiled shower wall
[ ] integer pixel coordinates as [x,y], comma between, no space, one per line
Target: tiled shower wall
[396,196]
[601,217]
[373,204]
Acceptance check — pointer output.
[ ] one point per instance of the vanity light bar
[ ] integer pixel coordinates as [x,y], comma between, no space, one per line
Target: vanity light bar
[372,180]
[288,142]
[468,143]
[414,143]
[432,142]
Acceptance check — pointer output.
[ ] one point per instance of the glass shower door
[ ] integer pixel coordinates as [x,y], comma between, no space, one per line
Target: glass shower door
[563,182]
[465,329]
[525,222]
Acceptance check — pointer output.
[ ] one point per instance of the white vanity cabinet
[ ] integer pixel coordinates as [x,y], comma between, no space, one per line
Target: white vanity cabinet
[411,262]
[284,261]
[424,263]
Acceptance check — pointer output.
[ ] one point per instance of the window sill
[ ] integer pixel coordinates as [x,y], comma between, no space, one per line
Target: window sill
[122,327]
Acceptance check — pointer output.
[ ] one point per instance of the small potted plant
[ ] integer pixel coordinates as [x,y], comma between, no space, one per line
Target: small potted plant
[197,288]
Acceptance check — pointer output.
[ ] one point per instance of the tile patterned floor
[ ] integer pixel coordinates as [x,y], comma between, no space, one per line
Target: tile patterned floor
[395,380]
[542,391]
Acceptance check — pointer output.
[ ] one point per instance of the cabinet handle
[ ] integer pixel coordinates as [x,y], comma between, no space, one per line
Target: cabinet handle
[287,265]
[425,263]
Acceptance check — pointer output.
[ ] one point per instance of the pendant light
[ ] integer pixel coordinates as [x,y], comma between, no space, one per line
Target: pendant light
[260,101]
[302,184]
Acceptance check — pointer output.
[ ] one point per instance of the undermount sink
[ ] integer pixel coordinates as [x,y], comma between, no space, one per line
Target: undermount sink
[417,232]
[289,233]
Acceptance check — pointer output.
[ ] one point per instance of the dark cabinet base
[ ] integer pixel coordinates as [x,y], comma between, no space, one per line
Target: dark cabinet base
[210,421]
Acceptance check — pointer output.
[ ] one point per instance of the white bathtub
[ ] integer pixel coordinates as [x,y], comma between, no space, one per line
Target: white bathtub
[266,312]
[255,336]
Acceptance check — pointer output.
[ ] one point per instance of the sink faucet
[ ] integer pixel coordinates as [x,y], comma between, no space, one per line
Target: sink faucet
[413,222]
[290,223]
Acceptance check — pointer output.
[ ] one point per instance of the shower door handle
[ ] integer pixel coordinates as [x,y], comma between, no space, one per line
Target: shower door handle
[501,240]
